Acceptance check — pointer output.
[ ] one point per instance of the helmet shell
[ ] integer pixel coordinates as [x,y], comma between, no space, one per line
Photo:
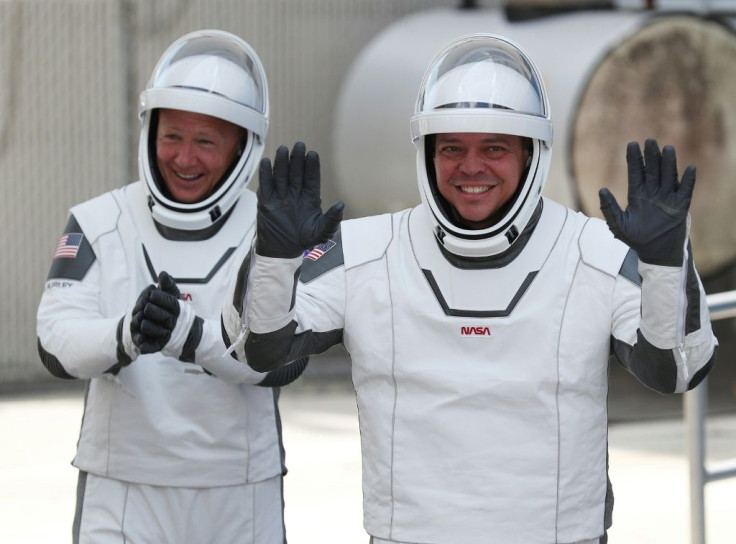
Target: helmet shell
[483,83]
[215,73]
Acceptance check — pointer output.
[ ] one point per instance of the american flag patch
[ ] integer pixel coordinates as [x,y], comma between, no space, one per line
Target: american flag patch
[319,250]
[68,245]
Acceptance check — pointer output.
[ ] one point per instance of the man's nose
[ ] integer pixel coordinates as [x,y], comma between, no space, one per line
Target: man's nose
[185,154]
[472,163]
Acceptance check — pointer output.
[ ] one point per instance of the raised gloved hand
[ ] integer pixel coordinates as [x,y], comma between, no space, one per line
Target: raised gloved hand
[655,222]
[158,316]
[290,217]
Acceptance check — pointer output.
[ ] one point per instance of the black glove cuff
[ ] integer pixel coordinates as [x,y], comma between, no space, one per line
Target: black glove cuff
[286,374]
[192,342]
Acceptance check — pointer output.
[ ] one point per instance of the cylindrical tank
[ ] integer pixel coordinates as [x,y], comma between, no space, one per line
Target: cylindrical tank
[612,77]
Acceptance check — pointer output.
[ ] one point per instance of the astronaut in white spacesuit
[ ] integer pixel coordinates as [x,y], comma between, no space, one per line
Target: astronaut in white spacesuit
[178,444]
[480,323]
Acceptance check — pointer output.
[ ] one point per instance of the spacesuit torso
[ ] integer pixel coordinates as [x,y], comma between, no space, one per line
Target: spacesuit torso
[465,367]
[482,384]
[159,420]
[456,365]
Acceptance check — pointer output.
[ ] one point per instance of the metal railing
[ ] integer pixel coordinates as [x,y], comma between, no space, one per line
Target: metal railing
[721,306]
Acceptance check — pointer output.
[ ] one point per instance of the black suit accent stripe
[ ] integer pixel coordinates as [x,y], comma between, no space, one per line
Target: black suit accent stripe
[478,313]
[656,368]
[286,374]
[292,303]
[123,359]
[630,268]
[692,290]
[202,281]
[703,372]
[52,364]
[226,338]
[81,489]
[241,284]
[268,351]
[192,342]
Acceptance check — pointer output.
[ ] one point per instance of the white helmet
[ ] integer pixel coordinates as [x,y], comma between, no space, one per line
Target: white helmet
[483,83]
[214,73]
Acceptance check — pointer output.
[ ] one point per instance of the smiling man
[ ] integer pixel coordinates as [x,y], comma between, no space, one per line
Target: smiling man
[477,174]
[193,152]
[178,444]
[481,322]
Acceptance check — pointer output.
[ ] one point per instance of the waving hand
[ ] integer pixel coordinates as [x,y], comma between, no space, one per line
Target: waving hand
[655,222]
[290,217]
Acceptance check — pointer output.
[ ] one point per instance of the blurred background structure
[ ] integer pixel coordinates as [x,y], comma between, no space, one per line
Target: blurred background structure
[343,76]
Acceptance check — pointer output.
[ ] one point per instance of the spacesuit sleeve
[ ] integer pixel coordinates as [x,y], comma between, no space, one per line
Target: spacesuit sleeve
[283,319]
[662,332]
[206,346]
[75,340]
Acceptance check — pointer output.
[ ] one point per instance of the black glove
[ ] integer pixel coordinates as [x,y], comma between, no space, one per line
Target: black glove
[129,332]
[655,221]
[290,217]
[159,315]
[137,314]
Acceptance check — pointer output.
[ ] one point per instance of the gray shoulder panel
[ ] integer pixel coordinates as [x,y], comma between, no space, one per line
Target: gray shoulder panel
[598,248]
[73,255]
[630,268]
[322,259]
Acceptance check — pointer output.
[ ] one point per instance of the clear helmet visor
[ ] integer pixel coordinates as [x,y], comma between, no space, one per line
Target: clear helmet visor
[213,73]
[481,74]
[482,85]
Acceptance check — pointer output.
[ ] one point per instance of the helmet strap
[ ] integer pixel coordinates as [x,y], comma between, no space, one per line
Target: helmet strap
[152,159]
[442,204]
[238,155]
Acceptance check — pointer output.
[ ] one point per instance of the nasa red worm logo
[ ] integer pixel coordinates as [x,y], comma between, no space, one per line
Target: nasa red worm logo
[474,331]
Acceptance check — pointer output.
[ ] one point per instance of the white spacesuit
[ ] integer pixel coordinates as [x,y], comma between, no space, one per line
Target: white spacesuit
[479,356]
[186,416]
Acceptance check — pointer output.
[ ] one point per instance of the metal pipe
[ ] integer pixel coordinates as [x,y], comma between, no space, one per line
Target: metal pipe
[695,406]
[721,470]
[721,306]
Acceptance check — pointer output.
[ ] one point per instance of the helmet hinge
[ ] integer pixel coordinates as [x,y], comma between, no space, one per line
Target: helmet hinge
[440,235]
[512,234]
